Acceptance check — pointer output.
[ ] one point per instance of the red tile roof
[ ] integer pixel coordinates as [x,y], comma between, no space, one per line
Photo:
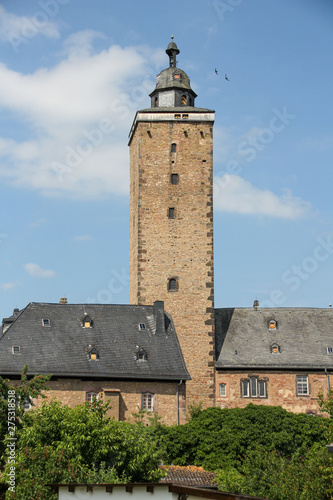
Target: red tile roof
[189,476]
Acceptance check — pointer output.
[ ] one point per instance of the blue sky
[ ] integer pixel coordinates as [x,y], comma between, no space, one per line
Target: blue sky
[72,75]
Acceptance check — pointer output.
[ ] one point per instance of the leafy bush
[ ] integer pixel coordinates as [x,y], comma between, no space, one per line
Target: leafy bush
[216,437]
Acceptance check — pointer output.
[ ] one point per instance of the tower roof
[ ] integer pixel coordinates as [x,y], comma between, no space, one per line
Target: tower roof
[172,80]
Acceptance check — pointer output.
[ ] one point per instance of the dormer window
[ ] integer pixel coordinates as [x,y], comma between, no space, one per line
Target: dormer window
[141,355]
[177,76]
[330,350]
[16,349]
[87,322]
[275,349]
[142,326]
[46,322]
[272,324]
[93,354]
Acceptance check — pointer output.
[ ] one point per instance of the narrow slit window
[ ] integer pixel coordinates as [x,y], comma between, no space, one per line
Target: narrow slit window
[184,100]
[174,178]
[173,147]
[171,213]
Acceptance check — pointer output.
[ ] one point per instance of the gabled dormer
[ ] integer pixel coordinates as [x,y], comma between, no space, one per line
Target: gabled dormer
[87,321]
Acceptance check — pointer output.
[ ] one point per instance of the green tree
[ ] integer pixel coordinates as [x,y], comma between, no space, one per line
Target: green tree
[12,399]
[215,437]
[271,475]
[57,443]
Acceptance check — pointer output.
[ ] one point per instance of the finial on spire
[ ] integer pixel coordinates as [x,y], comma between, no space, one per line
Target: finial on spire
[172,52]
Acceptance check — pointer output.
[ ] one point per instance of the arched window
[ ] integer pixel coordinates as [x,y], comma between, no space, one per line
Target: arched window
[156,102]
[173,147]
[172,285]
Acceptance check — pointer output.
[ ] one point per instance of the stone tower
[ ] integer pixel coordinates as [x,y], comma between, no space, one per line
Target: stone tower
[171,218]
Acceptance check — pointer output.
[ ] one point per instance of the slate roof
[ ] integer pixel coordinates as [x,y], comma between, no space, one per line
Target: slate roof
[189,476]
[244,340]
[62,349]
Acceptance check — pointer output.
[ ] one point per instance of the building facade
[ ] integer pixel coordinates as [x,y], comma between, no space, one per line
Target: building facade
[171,348]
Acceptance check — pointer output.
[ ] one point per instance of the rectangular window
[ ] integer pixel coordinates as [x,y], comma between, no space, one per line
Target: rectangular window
[330,350]
[90,396]
[147,401]
[174,179]
[46,322]
[15,350]
[223,390]
[302,385]
[26,405]
[171,213]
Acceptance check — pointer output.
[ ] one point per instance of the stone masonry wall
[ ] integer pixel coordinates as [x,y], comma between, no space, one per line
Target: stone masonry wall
[72,392]
[181,247]
[281,390]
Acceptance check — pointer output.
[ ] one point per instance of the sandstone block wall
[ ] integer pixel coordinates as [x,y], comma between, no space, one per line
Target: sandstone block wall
[281,390]
[162,248]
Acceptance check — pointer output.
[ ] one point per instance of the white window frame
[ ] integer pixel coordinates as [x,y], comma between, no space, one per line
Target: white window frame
[302,385]
[254,388]
[26,405]
[46,322]
[90,396]
[245,388]
[223,390]
[16,349]
[147,401]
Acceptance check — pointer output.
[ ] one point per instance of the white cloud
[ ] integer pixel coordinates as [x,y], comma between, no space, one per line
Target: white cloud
[20,29]
[9,285]
[234,194]
[77,116]
[37,272]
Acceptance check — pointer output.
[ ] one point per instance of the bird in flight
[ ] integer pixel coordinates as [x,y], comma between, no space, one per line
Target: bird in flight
[225,76]
[216,71]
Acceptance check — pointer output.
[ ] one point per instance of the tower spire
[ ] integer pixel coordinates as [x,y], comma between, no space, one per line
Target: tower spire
[172,52]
